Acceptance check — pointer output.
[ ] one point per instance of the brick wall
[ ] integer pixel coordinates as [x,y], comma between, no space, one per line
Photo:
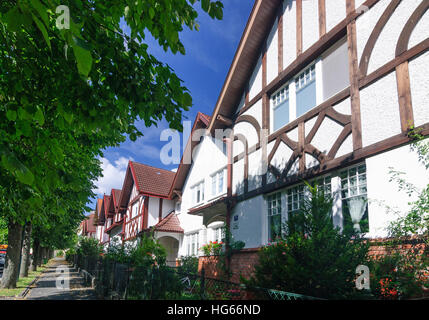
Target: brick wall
[243,262]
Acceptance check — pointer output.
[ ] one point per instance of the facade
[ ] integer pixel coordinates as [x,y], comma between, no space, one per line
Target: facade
[322,91]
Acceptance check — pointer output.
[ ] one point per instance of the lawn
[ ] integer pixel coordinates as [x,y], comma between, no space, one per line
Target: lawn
[22,283]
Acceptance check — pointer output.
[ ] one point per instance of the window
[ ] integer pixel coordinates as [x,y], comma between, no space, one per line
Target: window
[320,80]
[218,182]
[135,210]
[274,216]
[193,244]
[305,84]
[198,193]
[280,102]
[335,64]
[218,234]
[354,198]
[295,199]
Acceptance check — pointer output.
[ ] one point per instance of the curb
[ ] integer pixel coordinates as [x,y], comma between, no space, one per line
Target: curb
[26,290]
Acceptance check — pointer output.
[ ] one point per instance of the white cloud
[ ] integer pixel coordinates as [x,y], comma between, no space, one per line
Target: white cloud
[113,175]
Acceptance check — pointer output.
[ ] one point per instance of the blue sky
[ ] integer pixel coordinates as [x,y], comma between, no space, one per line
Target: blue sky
[209,53]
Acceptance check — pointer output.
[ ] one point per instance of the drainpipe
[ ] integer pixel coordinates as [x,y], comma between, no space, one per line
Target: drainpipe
[228,142]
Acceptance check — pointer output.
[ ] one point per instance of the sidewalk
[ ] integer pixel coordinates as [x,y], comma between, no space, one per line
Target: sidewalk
[46,287]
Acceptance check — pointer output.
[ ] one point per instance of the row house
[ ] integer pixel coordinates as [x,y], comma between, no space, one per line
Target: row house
[147,207]
[87,228]
[322,91]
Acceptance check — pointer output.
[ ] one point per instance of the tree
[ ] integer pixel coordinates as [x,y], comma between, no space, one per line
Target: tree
[66,94]
[313,258]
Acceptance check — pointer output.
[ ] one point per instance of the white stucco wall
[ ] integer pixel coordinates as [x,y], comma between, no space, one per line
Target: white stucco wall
[335,13]
[419,81]
[207,160]
[272,53]
[419,33]
[384,49]
[289,32]
[310,23]
[255,83]
[251,224]
[380,110]
[382,193]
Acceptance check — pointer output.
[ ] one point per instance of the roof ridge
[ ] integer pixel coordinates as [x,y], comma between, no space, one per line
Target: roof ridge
[147,165]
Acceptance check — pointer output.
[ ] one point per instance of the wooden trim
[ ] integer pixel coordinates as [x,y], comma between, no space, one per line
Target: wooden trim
[243,139]
[246,98]
[316,127]
[322,18]
[228,122]
[350,6]
[298,27]
[252,121]
[369,47]
[301,145]
[390,66]
[405,35]
[404,96]
[160,210]
[280,40]
[354,86]
[347,130]
[146,213]
[334,164]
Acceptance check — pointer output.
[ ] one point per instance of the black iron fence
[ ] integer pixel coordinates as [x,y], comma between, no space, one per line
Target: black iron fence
[115,280]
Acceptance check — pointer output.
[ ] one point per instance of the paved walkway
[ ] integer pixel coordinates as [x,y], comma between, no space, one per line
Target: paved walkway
[50,287]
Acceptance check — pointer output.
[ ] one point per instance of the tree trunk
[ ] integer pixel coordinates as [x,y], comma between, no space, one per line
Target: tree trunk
[40,257]
[36,249]
[11,269]
[26,245]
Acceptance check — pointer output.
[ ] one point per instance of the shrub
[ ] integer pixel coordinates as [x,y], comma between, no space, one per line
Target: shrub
[89,247]
[189,264]
[398,275]
[212,248]
[313,258]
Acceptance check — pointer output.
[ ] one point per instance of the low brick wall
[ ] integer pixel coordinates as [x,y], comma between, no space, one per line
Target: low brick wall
[243,262]
[385,246]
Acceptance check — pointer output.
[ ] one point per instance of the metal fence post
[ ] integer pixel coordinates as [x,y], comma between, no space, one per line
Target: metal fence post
[202,283]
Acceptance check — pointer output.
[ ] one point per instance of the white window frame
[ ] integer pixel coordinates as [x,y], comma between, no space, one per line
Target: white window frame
[192,243]
[333,180]
[214,178]
[200,186]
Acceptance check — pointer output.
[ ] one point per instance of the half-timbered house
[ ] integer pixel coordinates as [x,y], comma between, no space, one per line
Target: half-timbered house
[115,218]
[319,90]
[147,206]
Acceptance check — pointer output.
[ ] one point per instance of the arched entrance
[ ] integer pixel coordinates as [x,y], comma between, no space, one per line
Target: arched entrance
[171,245]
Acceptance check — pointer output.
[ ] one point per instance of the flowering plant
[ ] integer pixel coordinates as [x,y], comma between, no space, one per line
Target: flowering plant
[212,248]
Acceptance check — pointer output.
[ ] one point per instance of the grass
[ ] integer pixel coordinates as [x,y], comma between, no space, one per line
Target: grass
[22,283]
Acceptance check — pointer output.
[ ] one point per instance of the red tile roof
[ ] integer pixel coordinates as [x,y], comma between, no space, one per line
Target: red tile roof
[169,224]
[151,180]
[90,226]
[116,194]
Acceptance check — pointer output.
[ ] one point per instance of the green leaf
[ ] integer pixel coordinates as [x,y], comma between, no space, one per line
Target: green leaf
[12,164]
[41,10]
[11,115]
[42,30]
[39,117]
[205,4]
[83,57]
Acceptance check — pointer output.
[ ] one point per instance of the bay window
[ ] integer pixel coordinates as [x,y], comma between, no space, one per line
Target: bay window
[218,179]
